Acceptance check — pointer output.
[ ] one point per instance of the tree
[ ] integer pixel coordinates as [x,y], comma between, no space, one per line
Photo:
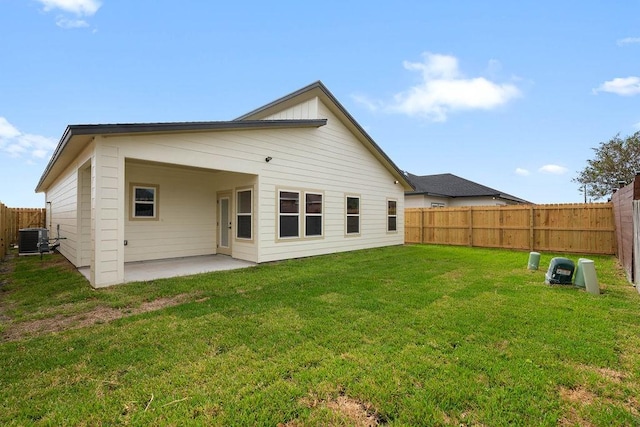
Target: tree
[616,162]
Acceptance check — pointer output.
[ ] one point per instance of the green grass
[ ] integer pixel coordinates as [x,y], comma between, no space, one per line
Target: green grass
[413,335]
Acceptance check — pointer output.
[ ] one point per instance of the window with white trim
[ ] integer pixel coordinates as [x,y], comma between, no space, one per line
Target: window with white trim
[392,215]
[144,201]
[244,214]
[437,205]
[289,214]
[312,214]
[353,215]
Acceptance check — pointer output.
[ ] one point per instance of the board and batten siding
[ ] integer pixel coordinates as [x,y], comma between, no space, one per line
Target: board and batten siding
[304,110]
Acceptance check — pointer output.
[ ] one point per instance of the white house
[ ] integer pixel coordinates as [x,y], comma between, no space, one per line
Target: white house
[297,177]
[449,190]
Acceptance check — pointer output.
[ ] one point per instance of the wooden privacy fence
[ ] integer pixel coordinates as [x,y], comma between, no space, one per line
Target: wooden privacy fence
[579,228]
[13,219]
[4,231]
[626,211]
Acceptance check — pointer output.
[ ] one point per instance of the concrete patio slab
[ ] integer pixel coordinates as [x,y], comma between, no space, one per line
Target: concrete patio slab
[164,268]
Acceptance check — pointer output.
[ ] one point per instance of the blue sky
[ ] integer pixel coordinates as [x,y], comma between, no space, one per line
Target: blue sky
[512,95]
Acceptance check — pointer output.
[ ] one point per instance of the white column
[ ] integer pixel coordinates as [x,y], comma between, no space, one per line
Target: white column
[107,214]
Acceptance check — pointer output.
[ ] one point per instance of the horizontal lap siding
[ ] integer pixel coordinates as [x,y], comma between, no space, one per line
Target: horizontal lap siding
[63,195]
[331,160]
[107,179]
[186,208]
[328,159]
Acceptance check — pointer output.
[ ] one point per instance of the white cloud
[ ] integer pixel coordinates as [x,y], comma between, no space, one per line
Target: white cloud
[370,104]
[553,169]
[444,89]
[66,23]
[77,7]
[7,130]
[628,40]
[625,86]
[637,126]
[17,144]
[522,172]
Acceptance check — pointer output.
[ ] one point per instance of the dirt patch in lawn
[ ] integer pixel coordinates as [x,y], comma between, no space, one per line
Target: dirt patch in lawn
[101,314]
[352,411]
[360,413]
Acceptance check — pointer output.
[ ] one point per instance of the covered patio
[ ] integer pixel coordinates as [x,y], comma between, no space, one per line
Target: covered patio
[141,271]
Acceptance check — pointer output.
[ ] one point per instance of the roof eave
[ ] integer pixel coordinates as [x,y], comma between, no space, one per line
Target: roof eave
[151,128]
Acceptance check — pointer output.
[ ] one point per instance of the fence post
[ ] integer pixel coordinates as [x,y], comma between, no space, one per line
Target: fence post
[531,229]
[470,238]
[422,214]
[3,232]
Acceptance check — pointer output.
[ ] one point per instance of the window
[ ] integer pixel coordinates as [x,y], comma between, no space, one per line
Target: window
[289,214]
[392,215]
[313,214]
[353,215]
[244,214]
[437,205]
[145,201]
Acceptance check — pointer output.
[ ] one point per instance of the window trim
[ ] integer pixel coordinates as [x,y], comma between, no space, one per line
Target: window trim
[287,214]
[389,215]
[348,215]
[321,215]
[156,202]
[239,214]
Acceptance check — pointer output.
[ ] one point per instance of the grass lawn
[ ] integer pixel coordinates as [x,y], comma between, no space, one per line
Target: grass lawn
[411,335]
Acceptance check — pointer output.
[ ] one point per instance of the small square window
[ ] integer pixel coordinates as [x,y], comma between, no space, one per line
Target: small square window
[144,204]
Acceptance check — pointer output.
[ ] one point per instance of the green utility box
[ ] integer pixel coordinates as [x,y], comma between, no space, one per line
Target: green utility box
[560,271]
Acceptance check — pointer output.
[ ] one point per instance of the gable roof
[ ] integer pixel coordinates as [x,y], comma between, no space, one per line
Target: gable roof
[450,185]
[318,89]
[76,137]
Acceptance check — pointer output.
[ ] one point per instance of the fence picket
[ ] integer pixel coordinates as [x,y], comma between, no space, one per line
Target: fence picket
[12,220]
[580,228]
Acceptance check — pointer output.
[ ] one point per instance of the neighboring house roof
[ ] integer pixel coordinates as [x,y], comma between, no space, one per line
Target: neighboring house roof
[76,137]
[450,185]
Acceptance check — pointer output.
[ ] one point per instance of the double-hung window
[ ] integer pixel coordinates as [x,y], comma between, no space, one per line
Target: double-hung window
[244,214]
[353,215]
[289,214]
[144,203]
[392,215]
[312,214]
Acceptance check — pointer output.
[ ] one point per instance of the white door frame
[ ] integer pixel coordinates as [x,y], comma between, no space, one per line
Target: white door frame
[224,231]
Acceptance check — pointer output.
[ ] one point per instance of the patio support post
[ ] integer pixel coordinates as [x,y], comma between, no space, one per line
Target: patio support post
[107,214]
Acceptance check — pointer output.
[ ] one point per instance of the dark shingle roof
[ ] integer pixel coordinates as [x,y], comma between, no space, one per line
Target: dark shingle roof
[450,185]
